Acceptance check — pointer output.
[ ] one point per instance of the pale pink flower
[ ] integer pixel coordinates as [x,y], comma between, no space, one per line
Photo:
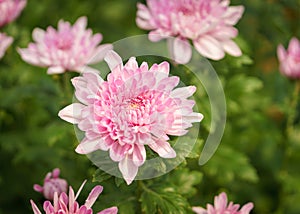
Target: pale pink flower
[67,204]
[207,23]
[70,48]
[136,106]
[10,10]
[52,183]
[5,42]
[290,59]
[221,207]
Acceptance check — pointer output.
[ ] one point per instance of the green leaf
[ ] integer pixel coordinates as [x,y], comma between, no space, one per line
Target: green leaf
[100,176]
[184,181]
[163,200]
[228,164]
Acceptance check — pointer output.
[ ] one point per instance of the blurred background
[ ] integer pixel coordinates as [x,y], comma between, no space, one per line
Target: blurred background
[258,160]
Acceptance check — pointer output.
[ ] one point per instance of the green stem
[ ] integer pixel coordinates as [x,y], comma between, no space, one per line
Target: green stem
[293,109]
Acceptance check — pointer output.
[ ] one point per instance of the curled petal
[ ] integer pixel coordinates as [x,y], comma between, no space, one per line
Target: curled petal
[209,47]
[113,60]
[199,210]
[111,210]
[163,149]
[180,50]
[128,169]
[231,48]
[72,113]
[55,70]
[96,191]
[35,208]
[100,53]
[247,208]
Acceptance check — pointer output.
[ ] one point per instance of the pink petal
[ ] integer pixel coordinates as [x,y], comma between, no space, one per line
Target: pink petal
[193,117]
[29,56]
[38,35]
[139,155]
[90,145]
[55,70]
[231,48]
[55,173]
[71,200]
[155,36]
[81,22]
[281,53]
[247,208]
[233,14]
[72,113]
[128,169]
[220,202]
[112,210]
[209,47]
[38,188]
[35,208]
[117,152]
[199,210]
[143,16]
[294,46]
[113,60]
[100,53]
[96,191]
[180,49]
[183,92]
[163,149]
[164,67]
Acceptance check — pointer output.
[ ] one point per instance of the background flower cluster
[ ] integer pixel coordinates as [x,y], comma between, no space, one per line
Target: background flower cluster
[259,154]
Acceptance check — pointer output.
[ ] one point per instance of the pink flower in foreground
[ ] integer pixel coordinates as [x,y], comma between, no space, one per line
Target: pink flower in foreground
[67,204]
[10,10]
[5,42]
[69,48]
[290,60]
[136,106]
[52,184]
[208,23]
[221,207]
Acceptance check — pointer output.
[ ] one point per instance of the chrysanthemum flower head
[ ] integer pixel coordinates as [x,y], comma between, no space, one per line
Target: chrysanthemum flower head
[136,107]
[207,23]
[5,42]
[221,206]
[69,48]
[67,204]
[10,10]
[52,183]
[290,59]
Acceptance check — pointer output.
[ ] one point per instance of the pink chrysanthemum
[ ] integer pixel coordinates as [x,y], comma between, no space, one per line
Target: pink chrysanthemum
[208,23]
[136,106]
[67,204]
[5,42]
[10,10]
[70,48]
[52,184]
[221,207]
[290,59]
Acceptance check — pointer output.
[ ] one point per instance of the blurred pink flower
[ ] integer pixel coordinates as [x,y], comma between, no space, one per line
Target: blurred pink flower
[290,60]
[5,42]
[67,204]
[10,10]
[68,48]
[52,184]
[220,207]
[208,23]
[136,106]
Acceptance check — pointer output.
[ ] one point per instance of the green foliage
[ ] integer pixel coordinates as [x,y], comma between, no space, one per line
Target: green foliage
[162,199]
[258,159]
